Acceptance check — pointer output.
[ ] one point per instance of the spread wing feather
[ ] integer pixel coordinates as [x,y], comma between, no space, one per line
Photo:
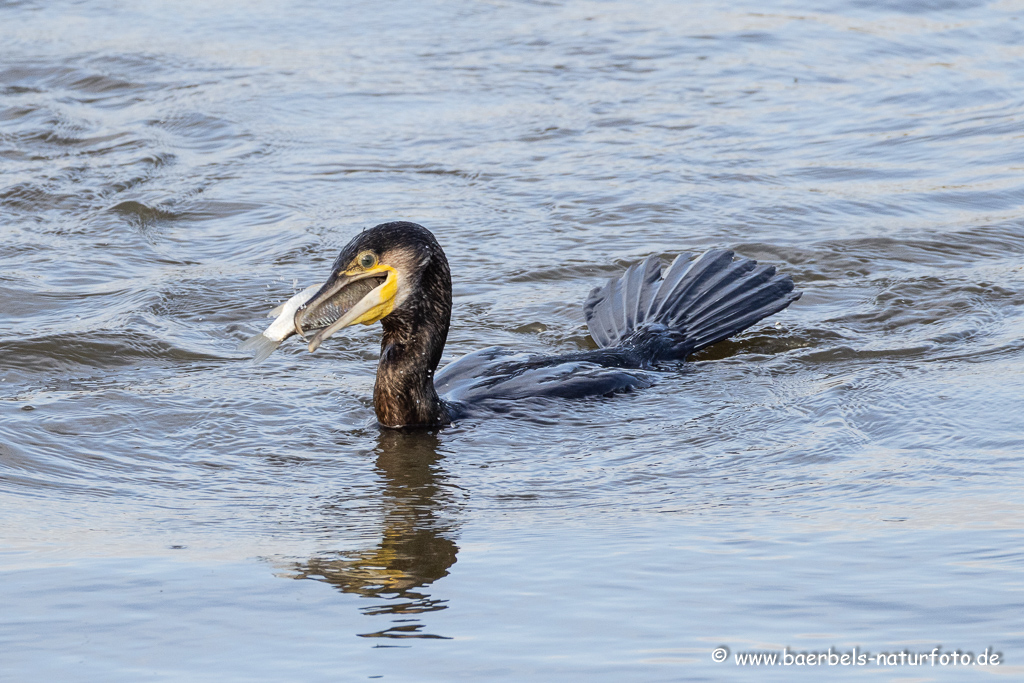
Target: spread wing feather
[697,301]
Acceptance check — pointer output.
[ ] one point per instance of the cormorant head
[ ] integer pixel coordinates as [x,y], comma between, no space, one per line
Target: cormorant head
[378,273]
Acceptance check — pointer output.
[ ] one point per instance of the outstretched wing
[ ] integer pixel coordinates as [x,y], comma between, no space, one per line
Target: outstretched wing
[700,301]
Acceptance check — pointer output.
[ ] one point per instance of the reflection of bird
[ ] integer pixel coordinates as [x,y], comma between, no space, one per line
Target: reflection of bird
[416,547]
[397,273]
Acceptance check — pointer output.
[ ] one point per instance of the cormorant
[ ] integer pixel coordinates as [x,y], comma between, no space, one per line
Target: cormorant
[397,273]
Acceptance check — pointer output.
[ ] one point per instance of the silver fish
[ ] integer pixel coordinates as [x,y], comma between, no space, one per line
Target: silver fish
[264,343]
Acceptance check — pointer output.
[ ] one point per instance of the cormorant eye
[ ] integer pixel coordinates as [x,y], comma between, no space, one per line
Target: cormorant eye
[367,260]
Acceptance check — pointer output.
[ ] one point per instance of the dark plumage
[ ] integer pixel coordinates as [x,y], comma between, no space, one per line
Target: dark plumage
[414,333]
[638,319]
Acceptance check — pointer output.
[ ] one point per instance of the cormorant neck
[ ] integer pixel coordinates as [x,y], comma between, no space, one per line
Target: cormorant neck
[410,350]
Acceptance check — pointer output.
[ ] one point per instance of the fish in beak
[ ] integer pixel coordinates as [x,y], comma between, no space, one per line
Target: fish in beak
[263,344]
[364,286]
[362,295]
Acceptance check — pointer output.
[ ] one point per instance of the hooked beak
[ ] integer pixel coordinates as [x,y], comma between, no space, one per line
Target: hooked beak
[348,298]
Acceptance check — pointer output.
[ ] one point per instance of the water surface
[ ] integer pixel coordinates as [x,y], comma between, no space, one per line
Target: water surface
[846,473]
